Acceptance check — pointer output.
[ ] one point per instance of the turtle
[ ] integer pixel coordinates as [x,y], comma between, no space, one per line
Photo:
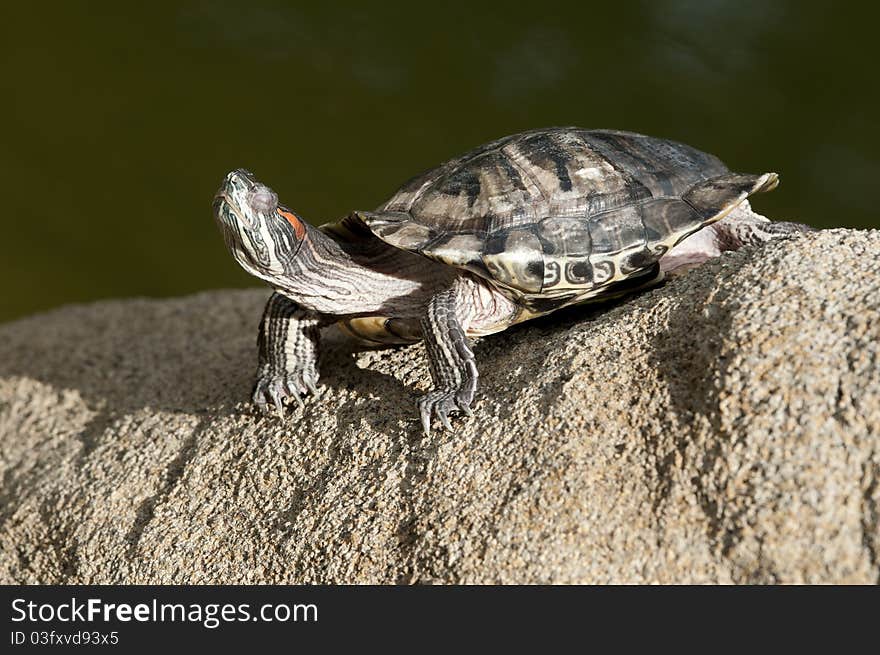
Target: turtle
[512,230]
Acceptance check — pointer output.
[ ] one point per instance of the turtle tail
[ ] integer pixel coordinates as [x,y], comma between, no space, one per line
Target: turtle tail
[712,199]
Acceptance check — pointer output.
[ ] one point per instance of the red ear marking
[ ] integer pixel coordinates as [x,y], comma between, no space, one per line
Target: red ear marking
[298,227]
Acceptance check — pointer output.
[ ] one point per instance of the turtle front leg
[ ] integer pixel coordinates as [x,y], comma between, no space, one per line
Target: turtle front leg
[452,363]
[288,353]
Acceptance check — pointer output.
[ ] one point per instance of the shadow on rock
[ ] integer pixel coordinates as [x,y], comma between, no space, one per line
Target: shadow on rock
[687,358]
[182,355]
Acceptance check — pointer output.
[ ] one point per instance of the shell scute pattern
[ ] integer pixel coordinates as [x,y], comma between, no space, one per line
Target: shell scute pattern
[560,210]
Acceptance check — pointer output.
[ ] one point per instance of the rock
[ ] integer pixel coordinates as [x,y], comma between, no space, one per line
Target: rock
[721,428]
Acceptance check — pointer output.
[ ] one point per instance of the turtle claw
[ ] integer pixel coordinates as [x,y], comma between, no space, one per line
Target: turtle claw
[275,391]
[426,420]
[440,404]
[277,388]
[445,421]
[293,392]
[310,383]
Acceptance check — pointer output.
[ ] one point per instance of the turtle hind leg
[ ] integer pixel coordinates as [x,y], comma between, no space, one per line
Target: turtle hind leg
[744,227]
[734,235]
[287,342]
[741,227]
[452,363]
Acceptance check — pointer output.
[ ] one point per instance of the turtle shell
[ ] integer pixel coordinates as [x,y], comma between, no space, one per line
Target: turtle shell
[561,209]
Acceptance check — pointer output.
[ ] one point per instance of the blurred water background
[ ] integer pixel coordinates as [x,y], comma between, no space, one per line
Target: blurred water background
[120,119]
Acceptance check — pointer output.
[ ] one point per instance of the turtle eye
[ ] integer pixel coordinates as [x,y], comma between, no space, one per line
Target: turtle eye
[263,200]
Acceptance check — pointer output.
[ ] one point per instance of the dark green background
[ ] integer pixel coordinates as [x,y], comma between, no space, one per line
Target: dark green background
[119,120]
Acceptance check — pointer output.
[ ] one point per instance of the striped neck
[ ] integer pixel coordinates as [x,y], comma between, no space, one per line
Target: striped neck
[333,275]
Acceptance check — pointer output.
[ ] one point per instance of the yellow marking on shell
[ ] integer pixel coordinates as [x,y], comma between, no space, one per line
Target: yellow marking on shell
[589,296]
[373,330]
[458,250]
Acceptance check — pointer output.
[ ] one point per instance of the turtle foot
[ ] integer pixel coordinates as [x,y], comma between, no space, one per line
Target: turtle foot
[440,403]
[277,389]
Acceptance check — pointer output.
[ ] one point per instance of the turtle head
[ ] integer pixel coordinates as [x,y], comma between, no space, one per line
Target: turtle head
[263,236]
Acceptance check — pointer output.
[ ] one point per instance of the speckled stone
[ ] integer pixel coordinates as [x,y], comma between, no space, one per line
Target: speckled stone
[722,428]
